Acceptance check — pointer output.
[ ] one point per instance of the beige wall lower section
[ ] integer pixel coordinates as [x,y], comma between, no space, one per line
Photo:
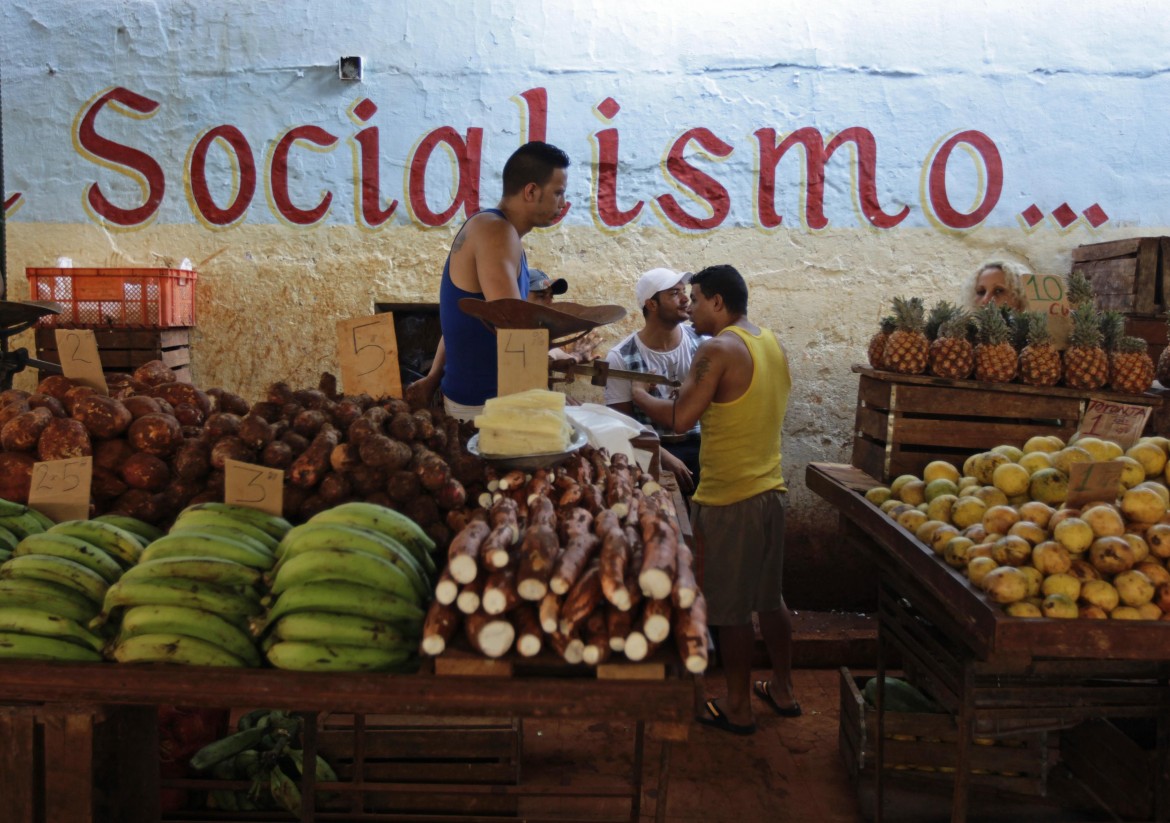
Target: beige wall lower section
[267,300]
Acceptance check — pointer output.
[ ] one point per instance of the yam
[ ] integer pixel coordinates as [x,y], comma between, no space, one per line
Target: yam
[222,424]
[690,635]
[46,401]
[438,628]
[55,385]
[157,434]
[277,455]
[529,640]
[21,433]
[581,600]
[491,636]
[141,404]
[191,460]
[64,438]
[230,447]
[154,373]
[309,467]
[463,553]
[145,471]
[16,475]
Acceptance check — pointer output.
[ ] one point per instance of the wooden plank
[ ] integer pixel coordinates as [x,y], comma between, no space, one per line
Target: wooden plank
[68,773]
[631,671]
[873,392]
[1001,401]
[17,766]
[873,423]
[406,771]
[1117,276]
[459,663]
[174,357]
[870,457]
[1103,251]
[421,743]
[1146,283]
[1112,765]
[969,434]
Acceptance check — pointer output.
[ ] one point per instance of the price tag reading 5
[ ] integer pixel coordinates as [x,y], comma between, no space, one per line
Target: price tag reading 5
[78,351]
[60,488]
[523,359]
[257,487]
[367,350]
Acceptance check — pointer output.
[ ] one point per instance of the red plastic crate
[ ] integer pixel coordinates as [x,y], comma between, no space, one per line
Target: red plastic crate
[148,298]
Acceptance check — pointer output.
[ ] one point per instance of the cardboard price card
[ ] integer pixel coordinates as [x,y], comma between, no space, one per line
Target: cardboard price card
[257,487]
[1091,482]
[367,350]
[1046,293]
[80,361]
[1108,420]
[60,488]
[523,360]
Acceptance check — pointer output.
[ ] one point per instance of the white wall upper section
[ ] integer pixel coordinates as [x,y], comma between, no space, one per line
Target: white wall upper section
[1071,96]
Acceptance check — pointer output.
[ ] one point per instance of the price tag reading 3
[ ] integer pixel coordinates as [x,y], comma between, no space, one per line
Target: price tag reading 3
[1120,422]
[1090,482]
[257,487]
[78,352]
[523,360]
[367,349]
[60,488]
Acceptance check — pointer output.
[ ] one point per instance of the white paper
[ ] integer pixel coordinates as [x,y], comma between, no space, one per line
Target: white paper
[609,429]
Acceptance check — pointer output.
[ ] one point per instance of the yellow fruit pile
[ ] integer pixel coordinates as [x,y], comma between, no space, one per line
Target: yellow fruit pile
[1002,521]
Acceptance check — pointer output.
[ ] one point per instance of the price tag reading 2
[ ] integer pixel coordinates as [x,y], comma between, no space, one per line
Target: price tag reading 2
[257,487]
[1120,422]
[78,352]
[1090,482]
[367,350]
[523,360]
[60,488]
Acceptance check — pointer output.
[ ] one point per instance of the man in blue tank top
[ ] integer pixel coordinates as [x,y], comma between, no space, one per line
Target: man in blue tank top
[487,262]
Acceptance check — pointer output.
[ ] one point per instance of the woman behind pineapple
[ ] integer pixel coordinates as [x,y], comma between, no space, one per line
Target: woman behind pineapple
[1000,282]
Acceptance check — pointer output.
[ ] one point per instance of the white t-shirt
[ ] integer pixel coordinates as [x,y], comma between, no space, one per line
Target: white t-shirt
[674,364]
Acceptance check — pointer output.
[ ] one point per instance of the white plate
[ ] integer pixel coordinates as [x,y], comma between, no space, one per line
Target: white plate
[529,461]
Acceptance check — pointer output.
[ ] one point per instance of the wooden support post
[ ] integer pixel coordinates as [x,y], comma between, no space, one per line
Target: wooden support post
[17,765]
[68,766]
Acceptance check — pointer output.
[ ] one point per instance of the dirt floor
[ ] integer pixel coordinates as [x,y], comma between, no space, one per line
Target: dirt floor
[789,770]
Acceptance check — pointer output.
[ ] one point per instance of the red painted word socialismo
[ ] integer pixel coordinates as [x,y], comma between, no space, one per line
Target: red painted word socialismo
[372,209]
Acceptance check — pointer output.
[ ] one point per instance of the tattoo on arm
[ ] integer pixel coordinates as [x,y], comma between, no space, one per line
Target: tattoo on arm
[702,366]
[458,244]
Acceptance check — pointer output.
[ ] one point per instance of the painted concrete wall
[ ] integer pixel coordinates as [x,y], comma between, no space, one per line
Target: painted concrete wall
[144,133]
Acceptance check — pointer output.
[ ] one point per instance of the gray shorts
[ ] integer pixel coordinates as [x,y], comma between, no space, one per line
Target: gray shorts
[742,551]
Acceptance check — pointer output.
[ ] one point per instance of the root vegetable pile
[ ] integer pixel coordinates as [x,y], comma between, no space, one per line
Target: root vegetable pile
[586,560]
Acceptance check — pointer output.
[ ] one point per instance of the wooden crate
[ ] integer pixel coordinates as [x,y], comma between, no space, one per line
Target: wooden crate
[1118,768]
[905,421]
[403,764]
[1151,329]
[124,350]
[922,746]
[1130,275]
[76,763]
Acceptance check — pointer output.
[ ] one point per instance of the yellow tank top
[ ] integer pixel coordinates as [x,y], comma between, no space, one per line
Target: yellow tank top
[740,452]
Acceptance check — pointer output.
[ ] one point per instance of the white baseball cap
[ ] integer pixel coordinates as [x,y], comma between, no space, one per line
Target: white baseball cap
[656,280]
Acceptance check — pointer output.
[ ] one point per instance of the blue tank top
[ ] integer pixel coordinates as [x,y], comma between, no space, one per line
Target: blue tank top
[470,376]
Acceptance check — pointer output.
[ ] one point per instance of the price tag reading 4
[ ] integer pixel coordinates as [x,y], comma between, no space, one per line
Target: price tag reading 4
[1046,293]
[1120,422]
[1090,482]
[79,358]
[367,350]
[60,488]
[523,360]
[257,487]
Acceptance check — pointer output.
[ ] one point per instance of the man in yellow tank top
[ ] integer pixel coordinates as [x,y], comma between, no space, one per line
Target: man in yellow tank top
[738,389]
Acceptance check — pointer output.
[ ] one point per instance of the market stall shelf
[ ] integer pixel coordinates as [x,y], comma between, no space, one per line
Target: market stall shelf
[1130,276]
[905,421]
[124,350]
[996,674]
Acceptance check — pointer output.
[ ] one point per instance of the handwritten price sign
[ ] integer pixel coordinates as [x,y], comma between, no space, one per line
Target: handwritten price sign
[523,359]
[257,487]
[60,488]
[367,349]
[1090,482]
[79,358]
[1120,422]
[1046,293]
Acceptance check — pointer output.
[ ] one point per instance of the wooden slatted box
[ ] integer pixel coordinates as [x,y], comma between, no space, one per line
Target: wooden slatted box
[905,421]
[123,350]
[921,746]
[1131,276]
[1118,767]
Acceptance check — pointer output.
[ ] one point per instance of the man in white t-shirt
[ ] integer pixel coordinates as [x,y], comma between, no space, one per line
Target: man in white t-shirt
[664,346]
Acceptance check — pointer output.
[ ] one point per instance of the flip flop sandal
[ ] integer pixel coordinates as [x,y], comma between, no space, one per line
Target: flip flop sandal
[763,690]
[718,720]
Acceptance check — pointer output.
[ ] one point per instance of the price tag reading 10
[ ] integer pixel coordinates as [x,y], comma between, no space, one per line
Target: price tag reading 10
[367,349]
[523,360]
[60,488]
[257,487]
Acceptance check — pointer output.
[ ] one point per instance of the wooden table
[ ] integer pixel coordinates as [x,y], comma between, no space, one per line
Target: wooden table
[997,674]
[60,697]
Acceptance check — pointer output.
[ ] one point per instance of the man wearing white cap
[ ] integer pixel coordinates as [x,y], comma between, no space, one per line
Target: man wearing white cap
[664,346]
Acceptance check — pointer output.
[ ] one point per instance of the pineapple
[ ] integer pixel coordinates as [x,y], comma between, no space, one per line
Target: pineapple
[1131,369]
[940,312]
[1080,290]
[1164,361]
[907,347]
[1039,361]
[1085,364]
[877,344]
[951,354]
[995,357]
